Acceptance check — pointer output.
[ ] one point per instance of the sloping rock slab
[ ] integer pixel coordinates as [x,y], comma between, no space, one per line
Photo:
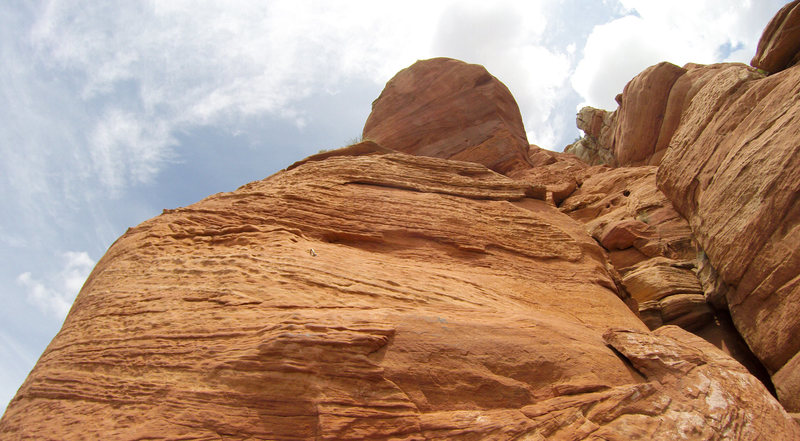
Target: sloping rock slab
[426,299]
[691,374]
[363,295]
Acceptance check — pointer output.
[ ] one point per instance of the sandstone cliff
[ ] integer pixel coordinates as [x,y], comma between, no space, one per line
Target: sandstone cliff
[445,280]
[725,142]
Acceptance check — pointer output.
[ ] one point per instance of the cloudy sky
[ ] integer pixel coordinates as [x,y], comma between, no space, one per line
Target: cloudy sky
[112,111]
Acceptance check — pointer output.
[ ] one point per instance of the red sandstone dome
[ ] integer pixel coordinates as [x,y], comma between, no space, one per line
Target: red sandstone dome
[449,109]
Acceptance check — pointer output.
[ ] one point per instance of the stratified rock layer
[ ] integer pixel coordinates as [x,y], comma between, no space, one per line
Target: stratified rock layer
[449,109]
[365,294]
[623,209]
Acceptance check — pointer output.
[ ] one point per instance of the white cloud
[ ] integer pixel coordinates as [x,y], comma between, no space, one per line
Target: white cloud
[614,53]
[120,79]
[132,75]
[138,73]
[125,149]
[142,72]
[54,295]
[680,31]
[506,37]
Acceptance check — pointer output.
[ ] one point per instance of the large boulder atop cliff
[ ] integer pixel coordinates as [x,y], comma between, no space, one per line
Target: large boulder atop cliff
[779,46]
[449,109]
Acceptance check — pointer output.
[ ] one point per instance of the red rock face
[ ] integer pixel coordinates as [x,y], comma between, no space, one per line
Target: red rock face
[779,46]
[449,109]
[649,245]
[650,109]
[638,132]
[368,296]
[558,174]
[365,294]
[733,170]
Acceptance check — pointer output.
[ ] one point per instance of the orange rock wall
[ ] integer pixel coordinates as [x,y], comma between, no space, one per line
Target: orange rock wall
[650,109]
[733,170]
[730,167]
[375,296]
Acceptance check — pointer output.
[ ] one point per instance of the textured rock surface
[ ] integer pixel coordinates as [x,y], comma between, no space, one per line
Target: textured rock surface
[730,165]
[355,296]
[652,248]
[639,131]
[694,370]
[779,46]
[596,146]
[733,171]
[731,168]
[688,311]
[623,209]
[787,381]
[559,174]
[375,296]
[639,136]
[657,278]
[449,109]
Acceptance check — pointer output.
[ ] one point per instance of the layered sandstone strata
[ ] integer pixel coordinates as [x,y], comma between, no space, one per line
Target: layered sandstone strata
[367,294]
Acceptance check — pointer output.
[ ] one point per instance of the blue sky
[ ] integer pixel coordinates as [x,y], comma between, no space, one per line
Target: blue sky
[114,111]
